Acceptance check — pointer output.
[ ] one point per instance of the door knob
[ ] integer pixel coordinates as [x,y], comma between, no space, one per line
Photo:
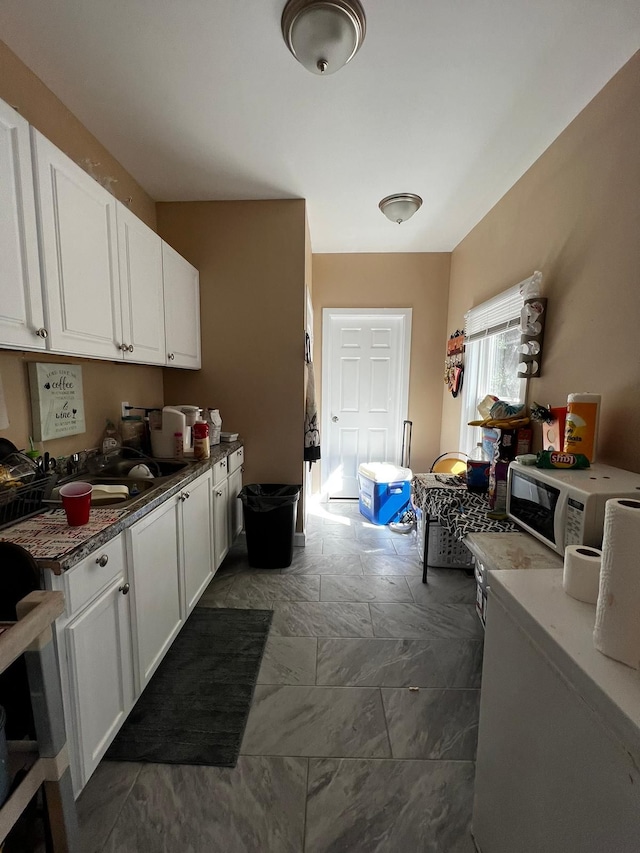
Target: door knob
[335,419]
[124,589]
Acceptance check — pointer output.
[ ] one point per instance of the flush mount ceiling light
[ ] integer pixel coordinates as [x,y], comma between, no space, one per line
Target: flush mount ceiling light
[400,207]
[323,35]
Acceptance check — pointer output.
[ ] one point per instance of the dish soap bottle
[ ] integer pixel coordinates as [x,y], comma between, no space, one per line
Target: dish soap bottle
[111,440]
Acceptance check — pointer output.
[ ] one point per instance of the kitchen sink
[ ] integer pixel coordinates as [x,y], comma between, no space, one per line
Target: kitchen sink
[137,487]
[165,467]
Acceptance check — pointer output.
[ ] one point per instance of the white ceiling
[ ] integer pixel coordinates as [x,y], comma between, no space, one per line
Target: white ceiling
[450,99]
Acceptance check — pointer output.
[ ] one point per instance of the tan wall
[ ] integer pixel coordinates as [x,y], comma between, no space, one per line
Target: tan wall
[411,280]
[105,384]
[575,215]
[20,87]
[251,257]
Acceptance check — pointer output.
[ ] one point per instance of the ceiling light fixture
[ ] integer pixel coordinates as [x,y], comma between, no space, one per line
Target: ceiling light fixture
[323,35]
[400,207]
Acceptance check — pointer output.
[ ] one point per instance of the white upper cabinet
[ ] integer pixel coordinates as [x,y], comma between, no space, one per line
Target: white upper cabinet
[79,252]
[181,310]
[21,312]
[141,290]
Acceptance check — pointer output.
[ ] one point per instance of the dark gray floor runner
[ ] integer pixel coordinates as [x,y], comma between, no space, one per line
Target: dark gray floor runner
[195,708]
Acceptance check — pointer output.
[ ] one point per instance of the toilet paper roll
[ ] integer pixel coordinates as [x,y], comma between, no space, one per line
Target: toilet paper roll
[581,576]
[617,630]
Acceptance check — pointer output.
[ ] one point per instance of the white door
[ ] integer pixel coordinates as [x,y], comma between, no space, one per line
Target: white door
[98,644]
[153,553]
[197,539]
[140,259]
[365,382]
[181,309]
[21,312]
[79,255]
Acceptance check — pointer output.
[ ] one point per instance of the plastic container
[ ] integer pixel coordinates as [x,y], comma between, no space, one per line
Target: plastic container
[384,491]
[111,440]
[478,469]
[269,521]
[132,431]
[201,449]
[215,425]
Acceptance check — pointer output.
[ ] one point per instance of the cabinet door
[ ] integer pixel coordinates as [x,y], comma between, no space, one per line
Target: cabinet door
[221,521]
[21,312]
[235,504]
[153,555]
[181,309]
[79,255]
[141,289]
[197,539]
[98,644]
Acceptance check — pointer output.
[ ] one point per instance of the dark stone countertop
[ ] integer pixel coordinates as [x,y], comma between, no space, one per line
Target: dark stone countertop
[146,504]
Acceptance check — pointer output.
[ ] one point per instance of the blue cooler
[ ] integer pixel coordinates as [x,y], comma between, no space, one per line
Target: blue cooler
[385,491]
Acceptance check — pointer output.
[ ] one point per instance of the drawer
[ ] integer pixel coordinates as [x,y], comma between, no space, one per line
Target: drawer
[94,573]
[220,470]
[236,459]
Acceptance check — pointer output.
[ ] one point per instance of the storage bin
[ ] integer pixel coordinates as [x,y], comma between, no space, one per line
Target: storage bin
[384,491]
[445,552]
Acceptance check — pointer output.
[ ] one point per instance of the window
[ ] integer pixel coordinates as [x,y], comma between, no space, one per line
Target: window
[492,332]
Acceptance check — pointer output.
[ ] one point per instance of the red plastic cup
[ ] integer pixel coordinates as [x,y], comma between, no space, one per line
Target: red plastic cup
[76,500]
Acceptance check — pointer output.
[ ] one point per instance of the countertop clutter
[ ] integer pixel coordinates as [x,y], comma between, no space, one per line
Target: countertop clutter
[58,547]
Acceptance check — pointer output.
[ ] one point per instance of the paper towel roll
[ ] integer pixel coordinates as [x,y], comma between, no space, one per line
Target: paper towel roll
[617,631]
[581,576]
[581,424]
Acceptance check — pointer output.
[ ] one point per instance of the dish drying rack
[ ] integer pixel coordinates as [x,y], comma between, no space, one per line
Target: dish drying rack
[18,502]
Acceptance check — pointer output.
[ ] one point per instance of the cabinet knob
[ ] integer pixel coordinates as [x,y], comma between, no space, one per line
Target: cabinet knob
[219,494]
[103,560]
[124,589]
[242,469]
[130,347]
[187,495]
[170,356]
[42,333]
[124,347]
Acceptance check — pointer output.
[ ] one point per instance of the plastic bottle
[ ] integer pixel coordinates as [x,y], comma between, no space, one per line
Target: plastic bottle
[201,449]
[111,440]
[478,469]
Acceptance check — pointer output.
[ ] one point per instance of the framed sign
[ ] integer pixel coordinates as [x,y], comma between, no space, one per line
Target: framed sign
[57,401]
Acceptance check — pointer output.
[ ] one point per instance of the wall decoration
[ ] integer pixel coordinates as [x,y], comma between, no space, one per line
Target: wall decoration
[453,363]
[57,400]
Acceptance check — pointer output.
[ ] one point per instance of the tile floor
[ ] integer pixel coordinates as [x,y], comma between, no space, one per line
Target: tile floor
[339,754]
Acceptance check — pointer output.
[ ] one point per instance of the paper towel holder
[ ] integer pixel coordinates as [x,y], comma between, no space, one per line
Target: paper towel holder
[534,313]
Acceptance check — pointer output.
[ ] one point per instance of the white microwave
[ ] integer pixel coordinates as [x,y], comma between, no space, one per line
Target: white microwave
[566,507]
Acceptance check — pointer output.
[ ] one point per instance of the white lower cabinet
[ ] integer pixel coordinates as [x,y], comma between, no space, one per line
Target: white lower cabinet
[235,504]
[95,654]
[197,539]
[221,521]
[98,645]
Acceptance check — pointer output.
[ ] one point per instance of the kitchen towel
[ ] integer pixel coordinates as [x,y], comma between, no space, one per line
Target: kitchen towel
[581,575]
[617,631]
[311,428]
[581,424]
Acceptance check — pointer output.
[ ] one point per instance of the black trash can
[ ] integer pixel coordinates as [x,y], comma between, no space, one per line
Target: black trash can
[269,522]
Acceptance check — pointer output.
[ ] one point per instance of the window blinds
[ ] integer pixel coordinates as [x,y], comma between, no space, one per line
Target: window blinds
[496,314]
